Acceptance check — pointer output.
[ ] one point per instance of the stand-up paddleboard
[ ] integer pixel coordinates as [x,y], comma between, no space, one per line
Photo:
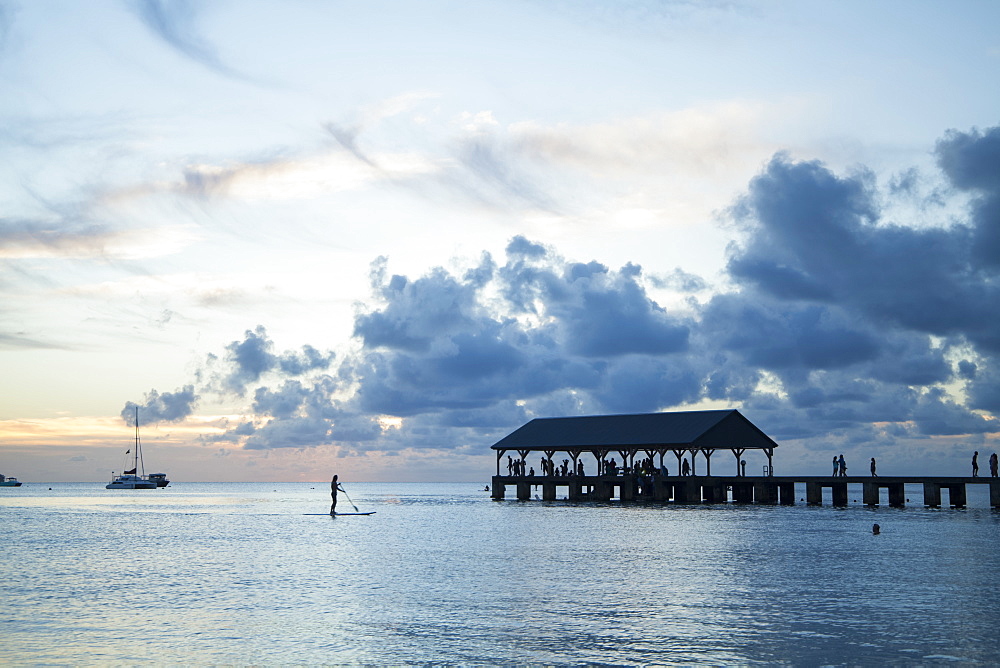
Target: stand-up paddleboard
[340,514]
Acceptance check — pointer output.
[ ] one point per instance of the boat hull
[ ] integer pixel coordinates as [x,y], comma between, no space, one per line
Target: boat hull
[130,482]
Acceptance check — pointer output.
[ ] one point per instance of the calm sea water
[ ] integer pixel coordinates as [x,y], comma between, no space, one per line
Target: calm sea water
[221,573]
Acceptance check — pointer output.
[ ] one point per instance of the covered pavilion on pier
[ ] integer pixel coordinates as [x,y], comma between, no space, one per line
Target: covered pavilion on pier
[681,433]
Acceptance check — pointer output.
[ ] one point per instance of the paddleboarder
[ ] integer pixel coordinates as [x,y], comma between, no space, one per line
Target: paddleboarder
[334,487]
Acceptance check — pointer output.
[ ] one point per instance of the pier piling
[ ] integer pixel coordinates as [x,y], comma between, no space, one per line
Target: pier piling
[763,490]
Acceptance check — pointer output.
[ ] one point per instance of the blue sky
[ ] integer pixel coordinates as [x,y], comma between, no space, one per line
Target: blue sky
[373,238]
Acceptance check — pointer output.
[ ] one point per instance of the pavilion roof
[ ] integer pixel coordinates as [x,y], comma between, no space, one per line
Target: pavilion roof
[725,429]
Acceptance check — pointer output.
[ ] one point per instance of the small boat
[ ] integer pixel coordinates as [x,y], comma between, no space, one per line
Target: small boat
[9,481]
[132,479]
[159,478]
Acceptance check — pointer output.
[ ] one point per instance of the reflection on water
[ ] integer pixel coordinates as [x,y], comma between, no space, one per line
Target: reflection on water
[235,573]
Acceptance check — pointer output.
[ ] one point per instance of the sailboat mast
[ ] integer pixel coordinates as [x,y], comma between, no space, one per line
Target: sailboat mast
[138,446]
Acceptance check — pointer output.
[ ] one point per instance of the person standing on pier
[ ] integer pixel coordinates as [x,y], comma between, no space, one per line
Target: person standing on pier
[975,464]
[843,467]
[874,475]
[993,465]
[836,466]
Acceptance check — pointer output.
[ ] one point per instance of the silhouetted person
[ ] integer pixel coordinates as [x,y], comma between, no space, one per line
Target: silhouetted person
[993,465]
[874,475]
[334,486]
[743,467]
[975,464]
[876,529]
[843,466]
[685,468]
[836,466]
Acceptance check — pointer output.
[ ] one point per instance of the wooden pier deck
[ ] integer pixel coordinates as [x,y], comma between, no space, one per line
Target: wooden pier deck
[740,489]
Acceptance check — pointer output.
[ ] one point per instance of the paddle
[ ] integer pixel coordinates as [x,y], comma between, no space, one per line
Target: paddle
[349,499]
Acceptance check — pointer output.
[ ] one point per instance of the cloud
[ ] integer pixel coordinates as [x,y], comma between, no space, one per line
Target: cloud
[838,327]
[253,357]
[165,407]
[27,238]
[818,237]
[972,162]
[173,21]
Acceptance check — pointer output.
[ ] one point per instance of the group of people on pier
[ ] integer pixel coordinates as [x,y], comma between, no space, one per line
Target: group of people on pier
[975,464]
[549,468]
[840,466]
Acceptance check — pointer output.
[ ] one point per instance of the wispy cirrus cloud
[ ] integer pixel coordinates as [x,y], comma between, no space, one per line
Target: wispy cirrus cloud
[175,22]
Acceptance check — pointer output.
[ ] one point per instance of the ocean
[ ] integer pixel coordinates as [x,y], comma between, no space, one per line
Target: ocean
[236,574]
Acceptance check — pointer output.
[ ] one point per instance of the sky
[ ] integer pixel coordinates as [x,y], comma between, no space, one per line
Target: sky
[373,238]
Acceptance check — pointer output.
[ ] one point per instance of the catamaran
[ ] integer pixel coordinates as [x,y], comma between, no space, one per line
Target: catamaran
[132,478]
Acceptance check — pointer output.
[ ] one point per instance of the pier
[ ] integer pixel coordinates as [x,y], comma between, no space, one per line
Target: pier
[628,455]
[767,490]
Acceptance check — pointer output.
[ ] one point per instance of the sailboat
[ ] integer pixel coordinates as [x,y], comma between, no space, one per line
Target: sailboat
[132,479]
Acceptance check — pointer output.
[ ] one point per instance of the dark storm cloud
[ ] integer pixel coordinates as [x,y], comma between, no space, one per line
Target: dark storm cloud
[972,162]
[816,237]
[984,388]
[165,407]
[777,335]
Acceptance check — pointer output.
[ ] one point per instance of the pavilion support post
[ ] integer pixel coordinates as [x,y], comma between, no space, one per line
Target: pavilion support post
[932,495]
[551,465]
[626,463]
[523,491]
[708,461]
[738,452]
[599,456]
[814,493]
[548,491]
[497,489]
[995,494]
